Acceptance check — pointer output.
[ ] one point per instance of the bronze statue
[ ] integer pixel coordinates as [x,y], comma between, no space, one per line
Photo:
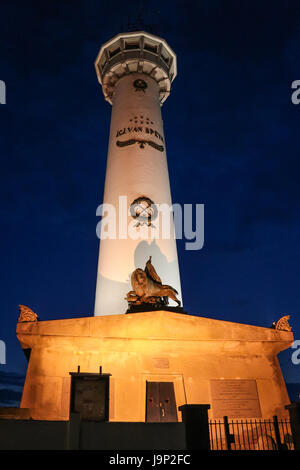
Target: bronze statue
[148,288]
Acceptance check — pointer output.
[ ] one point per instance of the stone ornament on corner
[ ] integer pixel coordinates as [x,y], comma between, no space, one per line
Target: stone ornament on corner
[282,324]
[26,315]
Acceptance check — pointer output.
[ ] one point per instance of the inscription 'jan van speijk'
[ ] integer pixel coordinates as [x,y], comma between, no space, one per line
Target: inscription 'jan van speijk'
[147,130]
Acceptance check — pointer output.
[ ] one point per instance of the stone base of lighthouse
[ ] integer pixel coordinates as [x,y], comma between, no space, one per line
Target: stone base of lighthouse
[144,366]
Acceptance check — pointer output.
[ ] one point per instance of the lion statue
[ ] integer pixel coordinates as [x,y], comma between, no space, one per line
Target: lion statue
[148,288]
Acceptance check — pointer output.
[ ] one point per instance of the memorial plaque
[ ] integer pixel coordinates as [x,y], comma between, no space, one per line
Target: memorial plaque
[161,362]
[235,398]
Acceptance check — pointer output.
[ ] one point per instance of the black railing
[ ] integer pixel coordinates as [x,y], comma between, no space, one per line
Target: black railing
[250,434]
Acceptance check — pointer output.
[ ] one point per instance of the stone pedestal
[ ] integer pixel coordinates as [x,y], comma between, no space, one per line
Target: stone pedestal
[190,352]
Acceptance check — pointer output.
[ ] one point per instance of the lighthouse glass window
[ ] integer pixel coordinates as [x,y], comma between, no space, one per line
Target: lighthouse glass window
[131,44]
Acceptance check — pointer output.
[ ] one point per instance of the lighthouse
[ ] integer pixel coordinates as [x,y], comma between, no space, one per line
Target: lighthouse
[156,360]
[135,70]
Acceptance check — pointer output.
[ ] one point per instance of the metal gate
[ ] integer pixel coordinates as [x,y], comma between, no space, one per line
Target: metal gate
[252,434]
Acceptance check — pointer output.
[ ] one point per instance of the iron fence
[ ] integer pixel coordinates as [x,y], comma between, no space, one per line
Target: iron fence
[250,434]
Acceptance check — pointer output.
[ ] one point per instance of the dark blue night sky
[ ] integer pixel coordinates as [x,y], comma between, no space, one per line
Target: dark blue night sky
[232,136]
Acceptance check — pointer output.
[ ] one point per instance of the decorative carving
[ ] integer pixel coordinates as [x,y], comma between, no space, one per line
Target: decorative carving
[282,324]
[140,85]
[148,288]
[144,210]
[141,143]
[26,315]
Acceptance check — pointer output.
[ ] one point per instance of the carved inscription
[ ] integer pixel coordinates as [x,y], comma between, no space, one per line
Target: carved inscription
[136,129]
[235,398]
[147,130]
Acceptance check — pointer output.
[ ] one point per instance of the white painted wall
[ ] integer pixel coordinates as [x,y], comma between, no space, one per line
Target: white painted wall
[133,172]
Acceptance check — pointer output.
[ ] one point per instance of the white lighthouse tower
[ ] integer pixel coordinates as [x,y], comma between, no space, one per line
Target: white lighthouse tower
[135,70]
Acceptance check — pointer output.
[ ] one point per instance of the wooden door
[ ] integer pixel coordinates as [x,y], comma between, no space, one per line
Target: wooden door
[160,402]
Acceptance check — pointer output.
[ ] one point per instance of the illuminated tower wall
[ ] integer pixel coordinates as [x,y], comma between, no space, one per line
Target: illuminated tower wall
[135,71]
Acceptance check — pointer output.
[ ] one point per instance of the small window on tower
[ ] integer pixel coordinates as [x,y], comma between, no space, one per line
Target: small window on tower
[165,56]
[115,52]
[102,61]
[150,48]
[131,45]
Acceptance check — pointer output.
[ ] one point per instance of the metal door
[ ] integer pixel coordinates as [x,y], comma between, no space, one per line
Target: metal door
[160,402]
